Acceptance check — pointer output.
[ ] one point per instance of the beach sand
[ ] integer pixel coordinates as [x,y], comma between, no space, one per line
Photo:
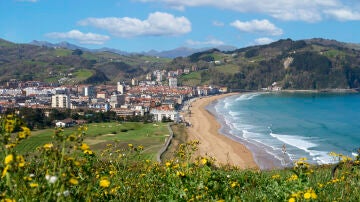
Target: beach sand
[204,127]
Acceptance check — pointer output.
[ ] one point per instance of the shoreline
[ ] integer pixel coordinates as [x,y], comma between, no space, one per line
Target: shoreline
[206,128]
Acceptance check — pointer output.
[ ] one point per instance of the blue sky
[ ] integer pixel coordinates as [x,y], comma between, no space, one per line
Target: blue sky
[142,25]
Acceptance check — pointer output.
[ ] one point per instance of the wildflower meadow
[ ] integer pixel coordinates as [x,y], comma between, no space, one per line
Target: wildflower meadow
[67,169]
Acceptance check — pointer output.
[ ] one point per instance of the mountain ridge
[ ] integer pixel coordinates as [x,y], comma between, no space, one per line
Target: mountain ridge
[173,53]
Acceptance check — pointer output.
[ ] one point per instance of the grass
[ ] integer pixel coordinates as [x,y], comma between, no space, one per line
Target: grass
[192,79]
[82,74]
[228,68]
[69,170]
[99,135]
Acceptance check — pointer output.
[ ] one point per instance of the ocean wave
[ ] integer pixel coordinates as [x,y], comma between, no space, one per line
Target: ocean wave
[247,96]
[305,144]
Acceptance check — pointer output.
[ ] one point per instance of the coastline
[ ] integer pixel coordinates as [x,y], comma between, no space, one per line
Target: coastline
[205,128]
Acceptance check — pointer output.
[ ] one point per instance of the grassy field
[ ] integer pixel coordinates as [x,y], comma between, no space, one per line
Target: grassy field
[151,136]
[192,79]
[228,68]
[82,74]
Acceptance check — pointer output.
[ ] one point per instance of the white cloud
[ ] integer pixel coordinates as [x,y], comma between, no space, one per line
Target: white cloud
[218,23]
[211,42]
[344,14]
[303,10]
[157,24]
[84,38]
[264,40]
[257,26]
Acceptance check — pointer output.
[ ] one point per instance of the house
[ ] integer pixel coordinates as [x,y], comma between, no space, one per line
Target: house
[160,114]
[65,123]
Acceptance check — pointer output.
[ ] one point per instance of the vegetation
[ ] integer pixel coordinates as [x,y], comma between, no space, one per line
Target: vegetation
[57,65]
[67,169]
[315,64]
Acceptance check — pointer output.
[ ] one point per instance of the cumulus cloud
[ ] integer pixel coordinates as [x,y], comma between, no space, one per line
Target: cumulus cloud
[344,14]
[264,40]
[304,10]
[157,24]
[257,26]
[211,42]
[84,38]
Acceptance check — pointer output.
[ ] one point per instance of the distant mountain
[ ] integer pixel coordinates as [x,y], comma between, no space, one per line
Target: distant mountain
[177,52]
[185,51]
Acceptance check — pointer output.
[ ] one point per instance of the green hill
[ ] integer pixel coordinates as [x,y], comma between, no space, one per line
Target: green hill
[30,62]
[304,64]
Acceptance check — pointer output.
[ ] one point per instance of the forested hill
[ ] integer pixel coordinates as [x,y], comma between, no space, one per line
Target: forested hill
[31,62]
[303,64]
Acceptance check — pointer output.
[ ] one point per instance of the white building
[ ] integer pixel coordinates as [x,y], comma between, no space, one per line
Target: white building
[158,76]
[60,101]
[120,88]
[172,82]
[160,114]
[134,82]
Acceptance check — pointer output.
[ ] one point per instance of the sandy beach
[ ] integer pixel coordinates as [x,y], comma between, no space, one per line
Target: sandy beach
[204,127]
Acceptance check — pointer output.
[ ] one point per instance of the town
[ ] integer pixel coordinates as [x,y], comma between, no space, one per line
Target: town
[158,95]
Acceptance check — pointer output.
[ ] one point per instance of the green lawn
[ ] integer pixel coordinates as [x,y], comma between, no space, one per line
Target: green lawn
[82,74]
[228,68]
[192,79]
[152,136]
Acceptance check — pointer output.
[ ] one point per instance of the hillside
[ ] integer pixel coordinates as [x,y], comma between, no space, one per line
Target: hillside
[304,64]
[31,62]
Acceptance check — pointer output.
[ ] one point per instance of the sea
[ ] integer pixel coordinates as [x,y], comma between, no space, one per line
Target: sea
[283,127]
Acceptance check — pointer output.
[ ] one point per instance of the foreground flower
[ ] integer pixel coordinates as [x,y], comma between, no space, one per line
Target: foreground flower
[48,146]
[33,185]
[84,147]
[104,183]
[74,181]
[8,159]
[51,179]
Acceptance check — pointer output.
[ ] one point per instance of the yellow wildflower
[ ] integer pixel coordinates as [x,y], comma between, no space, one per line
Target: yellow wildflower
[277,176]
[9,146]
[33,185]
[313,195]
[167,164]
[84,146]
[21,135]
[307,195]
[73,181]
[293,178]
[21,161]
[104,183]
[8,159]
[234,184]
[130,145]
[9,200]
[5,171]
[48,146]
[88,152]
[291,200]
[180,174]
[204,161]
